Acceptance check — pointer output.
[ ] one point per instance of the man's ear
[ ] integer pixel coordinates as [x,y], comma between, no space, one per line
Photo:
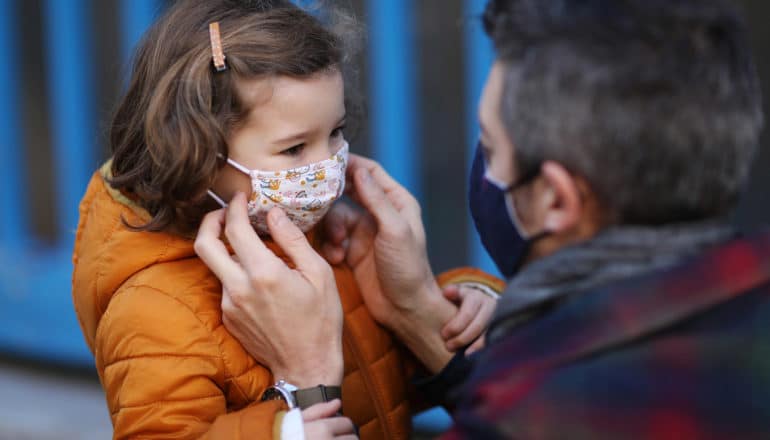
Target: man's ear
[564,208]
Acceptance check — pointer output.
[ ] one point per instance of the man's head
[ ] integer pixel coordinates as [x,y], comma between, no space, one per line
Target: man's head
[642,112]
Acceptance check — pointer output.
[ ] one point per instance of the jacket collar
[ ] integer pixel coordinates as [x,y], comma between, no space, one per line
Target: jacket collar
[624,311]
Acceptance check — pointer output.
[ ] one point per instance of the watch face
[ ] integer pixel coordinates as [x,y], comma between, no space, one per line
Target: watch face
[272,394]
[277,393]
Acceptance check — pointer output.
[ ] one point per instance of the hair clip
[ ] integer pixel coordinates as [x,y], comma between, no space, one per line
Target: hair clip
[216,47]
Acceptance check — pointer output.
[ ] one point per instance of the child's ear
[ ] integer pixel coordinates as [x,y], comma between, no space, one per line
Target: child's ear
[564,208]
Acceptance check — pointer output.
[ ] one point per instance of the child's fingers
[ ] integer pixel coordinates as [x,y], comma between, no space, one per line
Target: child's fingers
[452,293]
[478,345]
[471,332]
[462,319]
[477,326]
[486,310]
[321,410]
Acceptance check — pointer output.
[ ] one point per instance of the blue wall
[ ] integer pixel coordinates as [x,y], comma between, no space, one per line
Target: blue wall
[35,301]
[36,311]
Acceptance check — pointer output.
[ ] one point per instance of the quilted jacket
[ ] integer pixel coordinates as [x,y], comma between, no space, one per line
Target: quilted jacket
[150,312]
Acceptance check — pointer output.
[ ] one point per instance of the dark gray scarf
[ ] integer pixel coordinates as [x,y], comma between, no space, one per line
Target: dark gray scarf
[616,253]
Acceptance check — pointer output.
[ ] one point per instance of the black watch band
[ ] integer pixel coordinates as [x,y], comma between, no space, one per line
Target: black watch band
[307,397]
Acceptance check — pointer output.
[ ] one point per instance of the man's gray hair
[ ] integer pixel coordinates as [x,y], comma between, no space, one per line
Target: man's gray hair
[656,103]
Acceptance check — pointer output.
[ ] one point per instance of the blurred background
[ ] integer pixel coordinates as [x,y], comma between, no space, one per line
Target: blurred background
[63,67]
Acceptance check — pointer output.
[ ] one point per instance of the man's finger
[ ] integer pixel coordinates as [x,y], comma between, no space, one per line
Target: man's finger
[255,257]
[401,199]
[292,240]
[385,180]
[376,201]
[211,250]
[321,410]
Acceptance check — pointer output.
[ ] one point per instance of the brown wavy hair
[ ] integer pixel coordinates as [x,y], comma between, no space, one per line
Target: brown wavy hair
[169,133]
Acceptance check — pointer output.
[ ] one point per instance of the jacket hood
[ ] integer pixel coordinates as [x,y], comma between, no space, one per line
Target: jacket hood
[107,252]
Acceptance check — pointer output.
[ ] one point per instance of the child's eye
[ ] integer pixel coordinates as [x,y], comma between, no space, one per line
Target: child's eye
[294,151]
[338,132]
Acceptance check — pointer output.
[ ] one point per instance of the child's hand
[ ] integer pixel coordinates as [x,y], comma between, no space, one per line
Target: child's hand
[321,421]
[476,308]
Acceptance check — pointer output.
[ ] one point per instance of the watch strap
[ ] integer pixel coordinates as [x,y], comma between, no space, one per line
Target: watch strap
[307,397]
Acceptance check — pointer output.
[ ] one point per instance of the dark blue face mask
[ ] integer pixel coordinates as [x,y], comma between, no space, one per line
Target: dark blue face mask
[499,234]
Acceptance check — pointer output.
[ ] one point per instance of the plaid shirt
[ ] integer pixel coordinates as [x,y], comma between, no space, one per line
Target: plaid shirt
[678,354]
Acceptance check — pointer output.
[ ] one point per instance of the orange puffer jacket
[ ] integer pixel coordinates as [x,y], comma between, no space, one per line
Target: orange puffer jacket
[150,312]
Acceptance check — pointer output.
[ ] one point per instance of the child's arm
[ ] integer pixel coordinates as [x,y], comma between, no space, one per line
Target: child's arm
[164,375]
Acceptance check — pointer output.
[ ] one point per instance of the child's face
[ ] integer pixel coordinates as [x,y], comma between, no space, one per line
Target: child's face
[293,122]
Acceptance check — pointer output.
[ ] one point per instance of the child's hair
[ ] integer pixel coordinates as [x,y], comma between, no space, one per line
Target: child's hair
[170,131]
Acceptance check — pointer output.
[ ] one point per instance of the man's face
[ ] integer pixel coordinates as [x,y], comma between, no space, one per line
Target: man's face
[555,201]
[498,148]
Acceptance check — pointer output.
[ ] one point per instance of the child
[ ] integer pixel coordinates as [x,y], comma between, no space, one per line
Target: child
[219,90]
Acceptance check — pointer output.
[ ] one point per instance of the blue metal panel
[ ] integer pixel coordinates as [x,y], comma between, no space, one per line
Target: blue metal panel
[38,319]
[136,16]
[35,302]
[71,87]
[479,56]
[392,87]
[13,221]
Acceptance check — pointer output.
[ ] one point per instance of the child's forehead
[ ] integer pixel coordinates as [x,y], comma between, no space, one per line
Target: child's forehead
[267,90]
[280,106]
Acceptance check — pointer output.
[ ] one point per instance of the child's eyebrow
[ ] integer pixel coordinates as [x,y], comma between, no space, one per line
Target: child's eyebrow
[304,134]
[292,138]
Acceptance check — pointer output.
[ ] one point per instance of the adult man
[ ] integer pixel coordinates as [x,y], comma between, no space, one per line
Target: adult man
[617,137]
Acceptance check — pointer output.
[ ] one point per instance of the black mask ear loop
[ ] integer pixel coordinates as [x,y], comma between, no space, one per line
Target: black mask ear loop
[523,181]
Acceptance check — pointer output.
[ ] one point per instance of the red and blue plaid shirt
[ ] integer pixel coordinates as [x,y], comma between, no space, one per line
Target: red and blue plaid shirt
[678,354]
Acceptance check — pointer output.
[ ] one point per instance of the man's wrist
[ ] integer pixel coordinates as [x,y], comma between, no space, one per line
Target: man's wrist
[327,372]
[419,327]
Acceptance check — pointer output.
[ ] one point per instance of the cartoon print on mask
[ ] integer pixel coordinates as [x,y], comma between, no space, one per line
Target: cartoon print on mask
[296,174]
[313,206]
[317,176]
[305,193]
[271,184]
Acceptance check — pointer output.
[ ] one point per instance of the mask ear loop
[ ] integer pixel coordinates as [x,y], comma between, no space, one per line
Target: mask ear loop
[239,167]
[526,179]
[217,198]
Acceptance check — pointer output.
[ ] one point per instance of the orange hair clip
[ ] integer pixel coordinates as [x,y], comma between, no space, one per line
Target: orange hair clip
[216,47]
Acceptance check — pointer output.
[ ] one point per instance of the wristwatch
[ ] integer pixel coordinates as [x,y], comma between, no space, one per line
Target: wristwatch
[282,390]
[301,398]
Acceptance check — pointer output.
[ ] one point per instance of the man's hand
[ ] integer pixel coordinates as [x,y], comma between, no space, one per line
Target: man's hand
[290,320]
[385,247]
[389,237]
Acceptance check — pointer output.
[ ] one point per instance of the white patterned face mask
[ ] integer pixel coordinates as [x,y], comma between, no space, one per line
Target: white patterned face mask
[305,193]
